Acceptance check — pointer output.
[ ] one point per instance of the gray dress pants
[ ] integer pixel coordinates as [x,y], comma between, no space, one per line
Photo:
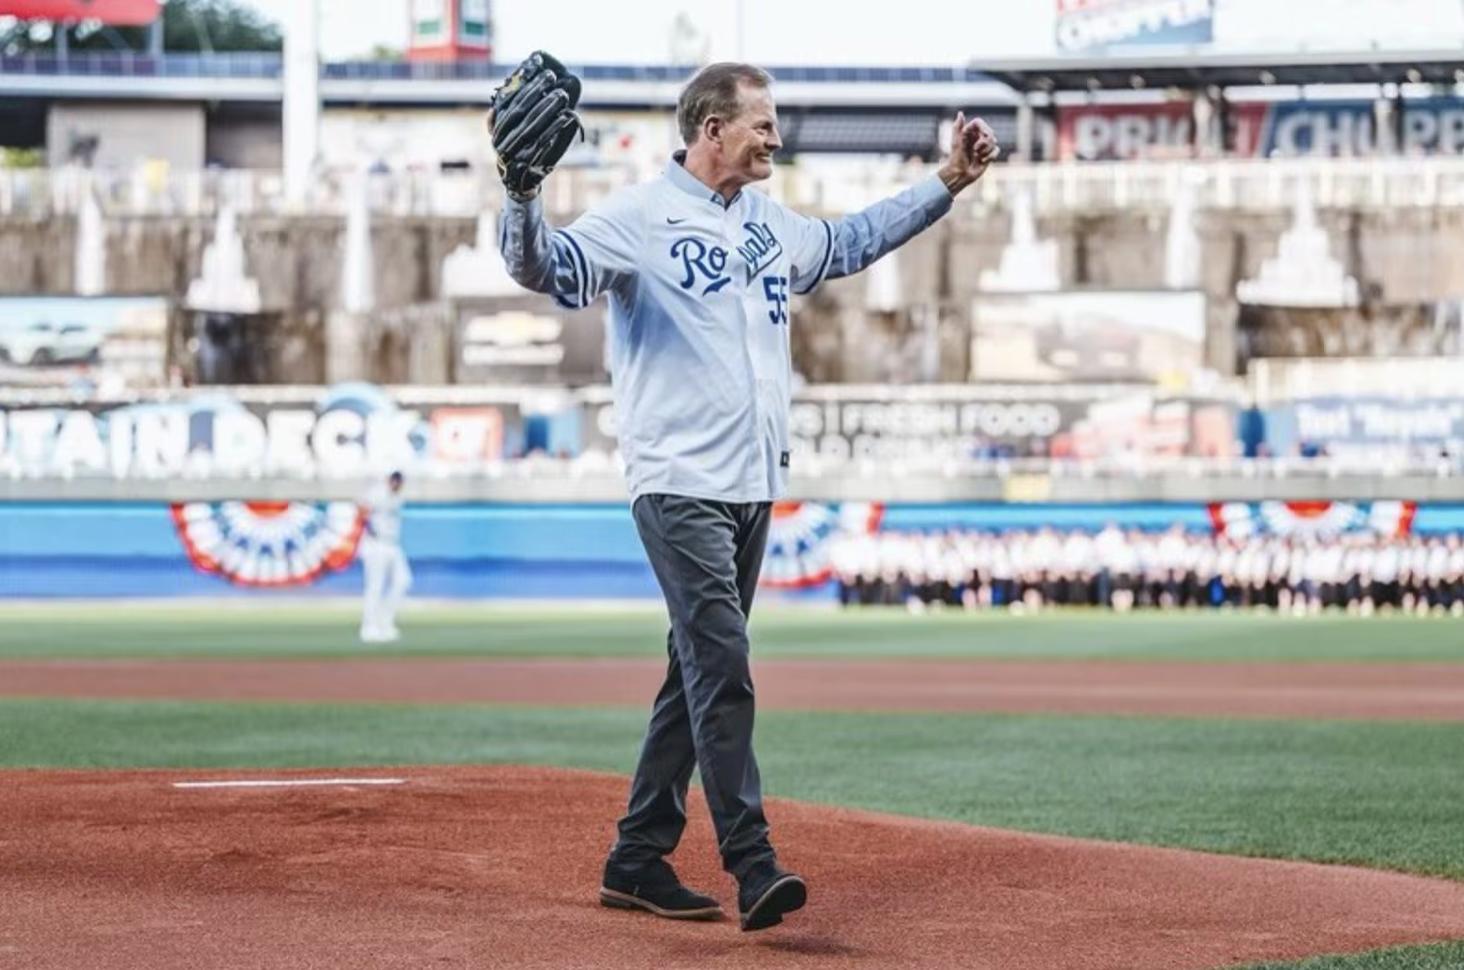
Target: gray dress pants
[706,556]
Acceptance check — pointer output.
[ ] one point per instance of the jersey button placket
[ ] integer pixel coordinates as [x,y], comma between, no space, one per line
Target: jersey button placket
[730,238]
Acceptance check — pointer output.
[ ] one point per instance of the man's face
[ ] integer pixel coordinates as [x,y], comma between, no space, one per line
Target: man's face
[749,140]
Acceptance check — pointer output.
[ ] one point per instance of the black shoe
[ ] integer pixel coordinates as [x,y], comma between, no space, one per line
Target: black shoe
[766,893]
[653,887]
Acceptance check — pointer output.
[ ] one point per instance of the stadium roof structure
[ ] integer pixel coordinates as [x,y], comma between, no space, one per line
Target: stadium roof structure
[1206,69]
[257,77]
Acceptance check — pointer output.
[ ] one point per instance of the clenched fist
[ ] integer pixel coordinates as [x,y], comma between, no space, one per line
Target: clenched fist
[973,148]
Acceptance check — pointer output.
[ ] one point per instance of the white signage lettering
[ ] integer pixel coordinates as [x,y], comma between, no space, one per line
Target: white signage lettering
[1114,23]
[162,442]
[339,442]
[79,445]
[289,440]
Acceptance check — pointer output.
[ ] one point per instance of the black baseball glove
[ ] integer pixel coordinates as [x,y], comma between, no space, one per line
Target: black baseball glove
[533,122]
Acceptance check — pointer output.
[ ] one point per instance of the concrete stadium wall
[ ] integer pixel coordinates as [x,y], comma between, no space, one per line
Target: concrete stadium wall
[548,484]
[297,262]
[475,550]
[138,550]
[1401,256]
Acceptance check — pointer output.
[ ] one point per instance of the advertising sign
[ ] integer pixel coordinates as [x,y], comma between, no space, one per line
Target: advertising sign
[1285,128]
[497,344]
[1434,127]
[105,341]
[1089,26]
[345,431]
[1104,335]
[354,430]
[1146,426]
[1370,430]
[1348,128]
[931,427]
[1326,128]
[1122,132]
[926,432]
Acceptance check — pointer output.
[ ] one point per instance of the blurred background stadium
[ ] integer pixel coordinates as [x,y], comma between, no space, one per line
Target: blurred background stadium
[1139,479]
[1195,341]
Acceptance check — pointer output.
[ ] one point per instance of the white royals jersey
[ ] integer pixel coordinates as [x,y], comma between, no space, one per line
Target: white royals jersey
[699,289]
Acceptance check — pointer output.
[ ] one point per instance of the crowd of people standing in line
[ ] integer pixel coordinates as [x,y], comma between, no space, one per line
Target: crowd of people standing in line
[1125,569]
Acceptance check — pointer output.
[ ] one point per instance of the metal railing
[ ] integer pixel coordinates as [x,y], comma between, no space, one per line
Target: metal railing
[270,65]
[40,194]
[1223,185]
[1257,184]
[141,65]
[597,475]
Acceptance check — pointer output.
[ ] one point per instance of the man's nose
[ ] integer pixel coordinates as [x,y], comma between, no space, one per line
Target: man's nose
[774,140]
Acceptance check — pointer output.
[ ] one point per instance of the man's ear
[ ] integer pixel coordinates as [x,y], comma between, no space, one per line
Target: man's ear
[712,129]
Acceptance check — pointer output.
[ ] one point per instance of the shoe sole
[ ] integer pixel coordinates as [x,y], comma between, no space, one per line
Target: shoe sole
[784,896]
[619,900]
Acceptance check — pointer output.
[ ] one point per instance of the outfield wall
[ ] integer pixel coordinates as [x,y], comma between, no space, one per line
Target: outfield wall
[511,550]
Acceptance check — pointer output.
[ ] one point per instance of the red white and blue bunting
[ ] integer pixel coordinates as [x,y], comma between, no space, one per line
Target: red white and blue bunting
[1304,520]
[801,535]
[269,544]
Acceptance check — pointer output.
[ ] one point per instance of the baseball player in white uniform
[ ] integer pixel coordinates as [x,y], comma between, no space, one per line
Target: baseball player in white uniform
[699,270]
[388,576]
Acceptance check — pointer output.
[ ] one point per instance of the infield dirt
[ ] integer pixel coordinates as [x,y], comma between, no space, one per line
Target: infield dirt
[1303,690]
[498,867]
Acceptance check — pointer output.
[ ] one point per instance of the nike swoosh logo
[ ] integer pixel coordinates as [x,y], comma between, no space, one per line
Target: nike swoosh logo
[674,222]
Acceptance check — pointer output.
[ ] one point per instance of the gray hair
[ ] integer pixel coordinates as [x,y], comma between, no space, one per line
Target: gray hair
[715,90]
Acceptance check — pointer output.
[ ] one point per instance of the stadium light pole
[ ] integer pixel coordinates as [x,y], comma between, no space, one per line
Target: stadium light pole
[302,98]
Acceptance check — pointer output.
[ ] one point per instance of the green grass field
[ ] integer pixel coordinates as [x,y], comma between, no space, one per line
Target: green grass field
[1447,957]
[1383,795]
[314,630]
[1387,795]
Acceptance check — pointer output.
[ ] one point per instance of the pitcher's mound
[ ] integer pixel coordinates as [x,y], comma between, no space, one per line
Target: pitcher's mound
[498,867]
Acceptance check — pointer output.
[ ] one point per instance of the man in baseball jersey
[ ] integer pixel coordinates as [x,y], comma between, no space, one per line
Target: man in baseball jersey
[699,272]
[385,565]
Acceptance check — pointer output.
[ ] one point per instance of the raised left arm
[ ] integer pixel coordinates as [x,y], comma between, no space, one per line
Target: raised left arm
[862,238]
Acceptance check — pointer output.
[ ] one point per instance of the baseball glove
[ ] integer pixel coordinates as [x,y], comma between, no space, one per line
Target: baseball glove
[533,122]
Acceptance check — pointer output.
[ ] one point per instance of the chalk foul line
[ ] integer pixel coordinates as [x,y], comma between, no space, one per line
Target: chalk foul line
[288,782]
